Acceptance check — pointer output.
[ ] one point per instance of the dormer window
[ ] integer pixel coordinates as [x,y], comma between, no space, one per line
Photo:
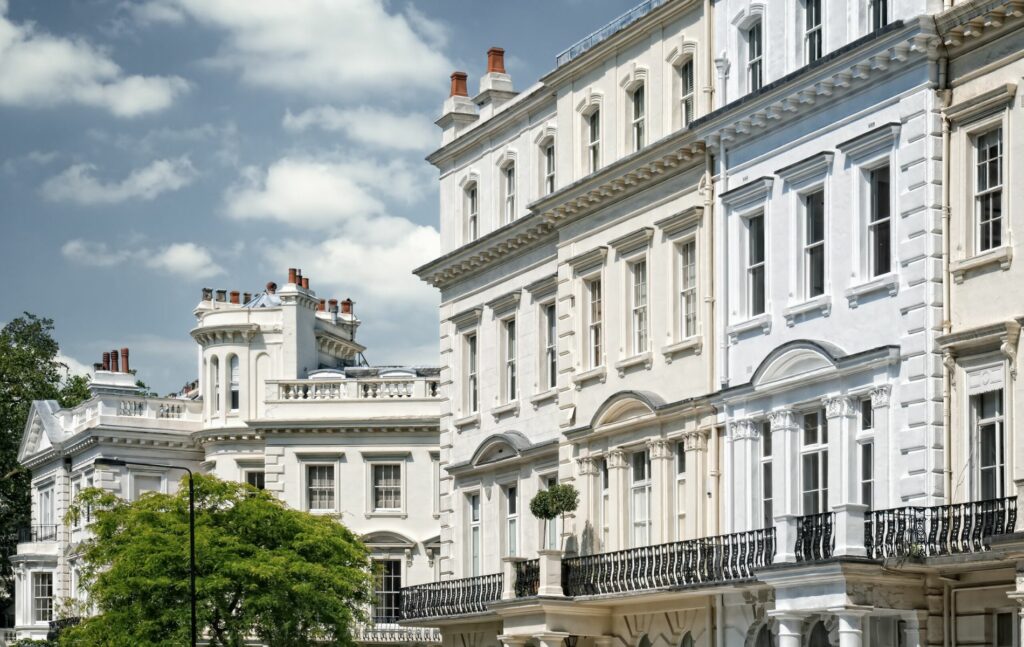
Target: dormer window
[686,84]
[755,53]
[508,191]
[594,140]
[639,110]
[472,213]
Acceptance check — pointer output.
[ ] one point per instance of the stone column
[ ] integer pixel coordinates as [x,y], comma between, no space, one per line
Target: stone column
[786,489]
[851,626]
[550,573]
[618,486]
[513,641]
[508,581]
[790,625]
[915,629]
[697,503]
[1017,595]
[590,497]
[553,639]
[746,467]
[662,479]
[843,463]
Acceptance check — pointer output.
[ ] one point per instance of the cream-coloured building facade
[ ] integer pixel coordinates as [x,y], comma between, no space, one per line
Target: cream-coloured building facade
[284,402]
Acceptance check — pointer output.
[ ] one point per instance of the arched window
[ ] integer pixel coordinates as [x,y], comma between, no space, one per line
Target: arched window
[819,636]
[765,637]
[687,640]
[644,641]
[234,382]
[472,210]
[215,384]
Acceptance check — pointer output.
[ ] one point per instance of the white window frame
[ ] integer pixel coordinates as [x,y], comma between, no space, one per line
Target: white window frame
[246,473]
[604,477]
[687,90]
[549,160]
[818,448]
[471,345]
[511,501]
[754,269]
[766,476]
[215,382]
[234,383]
[376,487]
[814,33]
[755,55]
[640,500]
[549,356]
[593,130]
[874,222]
[508,192]
[474,530]
[42,615]
[688,296]
[307,485]
[989,192]
[680,469]
[472,206]
[638,121]
[46,504]
[639,305]
[810,247]
[509,359]
[1001,466]
[595,322]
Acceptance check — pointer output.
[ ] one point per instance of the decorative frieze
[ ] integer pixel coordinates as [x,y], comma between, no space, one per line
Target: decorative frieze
[880,396]
[839,407]
[782,420]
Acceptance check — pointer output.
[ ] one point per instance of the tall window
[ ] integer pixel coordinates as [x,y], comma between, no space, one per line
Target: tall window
[215,383]
[639,306]
[989,445]
[879,14]
[510,360]
[511,520]
[638,118]
[680,486]
[472,213]
[549,168]
[387,590]
[1005,629]
[988,191]
[755,57]
[879,228]
[688,289]
[814,462]
[235,378]
[472,387]
[605,502]
[320,487]
[550,345]
[474,533]
[594,140]
[686,84]
[814,243]
[767,494]
[42,597]
[595,339]
[46,514]
[551,541]
[640,498]
[867,474]
[755,265]
[812,30]
[387,487]
[509,192]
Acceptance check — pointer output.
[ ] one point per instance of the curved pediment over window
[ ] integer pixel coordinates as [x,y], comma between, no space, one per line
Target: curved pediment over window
[499,447]
[795,359]
[626,405]
[388,540]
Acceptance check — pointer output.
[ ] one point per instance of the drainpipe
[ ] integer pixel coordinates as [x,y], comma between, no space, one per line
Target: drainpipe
[708,56]
[709,226]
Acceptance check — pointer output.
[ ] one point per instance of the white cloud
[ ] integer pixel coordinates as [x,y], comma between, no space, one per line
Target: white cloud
[316,194]
[74,366]
[43,70]
[79,184]
[179,259]
[321,47]
[368,126]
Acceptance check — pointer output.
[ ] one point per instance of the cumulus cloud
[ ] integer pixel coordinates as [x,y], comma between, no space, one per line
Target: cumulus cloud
[79,184]
[38,69]
[178,259]
[371,126]
[74,366]
[318,194]
[322,48]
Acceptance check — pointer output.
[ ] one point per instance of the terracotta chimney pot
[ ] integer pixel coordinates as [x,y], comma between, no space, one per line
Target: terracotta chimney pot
[271,287]
[234,296]
[113,361]
[320,307]
[124,360]
[291,275]
[305,283]
[496,60]
[106,361]
[346,306]
[459,88]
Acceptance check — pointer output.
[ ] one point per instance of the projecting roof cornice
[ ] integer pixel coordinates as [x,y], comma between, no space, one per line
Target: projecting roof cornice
[225,334]
[849,69]
[976,21]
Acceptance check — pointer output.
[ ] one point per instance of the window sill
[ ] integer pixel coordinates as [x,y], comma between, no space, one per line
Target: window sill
[466,421]
[595,374]
[762,321]
[889,282]
[645,359]
[821,303]
[695,344]
[386,514]
[540,398]
[506,409]
[1001,256]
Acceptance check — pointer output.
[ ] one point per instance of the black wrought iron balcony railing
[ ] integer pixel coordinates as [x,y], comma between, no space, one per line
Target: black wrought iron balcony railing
[527,578]
[952,529]
[815,536]
[39,532]
[451,597]
[683,563]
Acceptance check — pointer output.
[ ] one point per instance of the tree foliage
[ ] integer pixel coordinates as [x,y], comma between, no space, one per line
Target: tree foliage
[556,500]
[264,571]
[29,370]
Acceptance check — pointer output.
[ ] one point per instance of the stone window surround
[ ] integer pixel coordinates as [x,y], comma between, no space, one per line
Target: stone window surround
[386,457]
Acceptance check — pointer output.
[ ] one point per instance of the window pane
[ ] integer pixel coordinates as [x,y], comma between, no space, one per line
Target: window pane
[680,458]
[387,590]
[867,414]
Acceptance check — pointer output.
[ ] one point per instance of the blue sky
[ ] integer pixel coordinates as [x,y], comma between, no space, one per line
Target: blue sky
[149,148]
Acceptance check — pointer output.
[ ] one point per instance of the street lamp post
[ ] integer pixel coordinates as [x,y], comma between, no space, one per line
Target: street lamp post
[115,462]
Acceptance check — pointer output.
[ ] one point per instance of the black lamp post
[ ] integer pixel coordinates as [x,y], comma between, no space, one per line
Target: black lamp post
[115,462]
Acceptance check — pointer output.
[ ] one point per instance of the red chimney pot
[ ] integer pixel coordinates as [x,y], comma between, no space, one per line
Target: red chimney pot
[346,306]
[234,297]
[291,275]
[113,361]
[496,60]
[271,287]
[124,360]
[320,306]
[106,361]
[305,283]
[459,84]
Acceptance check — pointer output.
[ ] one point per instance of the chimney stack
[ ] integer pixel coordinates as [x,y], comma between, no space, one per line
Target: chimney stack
[291,275]
[320,306]
[106,361]
[124,361]
[346,307]
[459,87]
[222,295]
[496,60]
[271,287]
[234,297]
[113,361]
[305,283]
[207,294]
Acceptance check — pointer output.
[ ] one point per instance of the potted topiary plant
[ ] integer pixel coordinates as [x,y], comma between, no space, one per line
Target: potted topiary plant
[555,501]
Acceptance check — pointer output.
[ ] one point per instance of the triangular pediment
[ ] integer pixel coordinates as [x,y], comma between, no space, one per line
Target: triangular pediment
[42,429]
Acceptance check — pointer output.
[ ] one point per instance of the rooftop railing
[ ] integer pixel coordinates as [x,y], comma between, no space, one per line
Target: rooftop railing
[451,597]
[951,529]
[138,407]
[609,30]
[337,390]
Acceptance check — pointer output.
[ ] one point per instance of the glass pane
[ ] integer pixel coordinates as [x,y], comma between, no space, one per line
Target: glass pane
[816,217]
[811,428]
[755,228]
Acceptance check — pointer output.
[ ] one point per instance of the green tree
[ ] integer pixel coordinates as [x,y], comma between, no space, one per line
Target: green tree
[29,370]
[553,502]
[264,571]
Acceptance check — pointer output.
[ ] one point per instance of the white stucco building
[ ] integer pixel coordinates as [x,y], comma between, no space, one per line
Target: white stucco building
[707,271]
[284,402]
